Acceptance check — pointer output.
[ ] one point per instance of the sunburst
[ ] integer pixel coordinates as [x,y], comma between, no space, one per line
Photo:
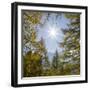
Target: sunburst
[53,32]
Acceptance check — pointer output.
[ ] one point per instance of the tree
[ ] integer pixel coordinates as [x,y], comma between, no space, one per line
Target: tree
[30,20]
[55,60]
[71,44]
[32,64]
[33,60]
[33,50]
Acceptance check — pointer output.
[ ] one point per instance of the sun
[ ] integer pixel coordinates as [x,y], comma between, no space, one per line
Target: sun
[52,32]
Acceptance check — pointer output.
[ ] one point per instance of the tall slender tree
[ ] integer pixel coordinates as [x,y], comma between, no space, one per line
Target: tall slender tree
[71,43]
[55,60]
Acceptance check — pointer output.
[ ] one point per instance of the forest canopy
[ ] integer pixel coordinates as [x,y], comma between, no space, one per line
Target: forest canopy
[51,43]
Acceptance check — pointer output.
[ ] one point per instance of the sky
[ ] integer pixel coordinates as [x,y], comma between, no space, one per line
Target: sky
[51,31]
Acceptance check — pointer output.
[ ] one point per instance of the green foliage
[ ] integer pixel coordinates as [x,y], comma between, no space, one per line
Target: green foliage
[36,61]
[32,64]
[33,17]
[32,61]
[71,44]
[55,60]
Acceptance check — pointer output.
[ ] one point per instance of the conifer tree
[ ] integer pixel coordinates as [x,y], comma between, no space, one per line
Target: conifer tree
[71,43]
[55,60]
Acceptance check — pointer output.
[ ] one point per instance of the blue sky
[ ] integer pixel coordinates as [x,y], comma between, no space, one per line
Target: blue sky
[51,31]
